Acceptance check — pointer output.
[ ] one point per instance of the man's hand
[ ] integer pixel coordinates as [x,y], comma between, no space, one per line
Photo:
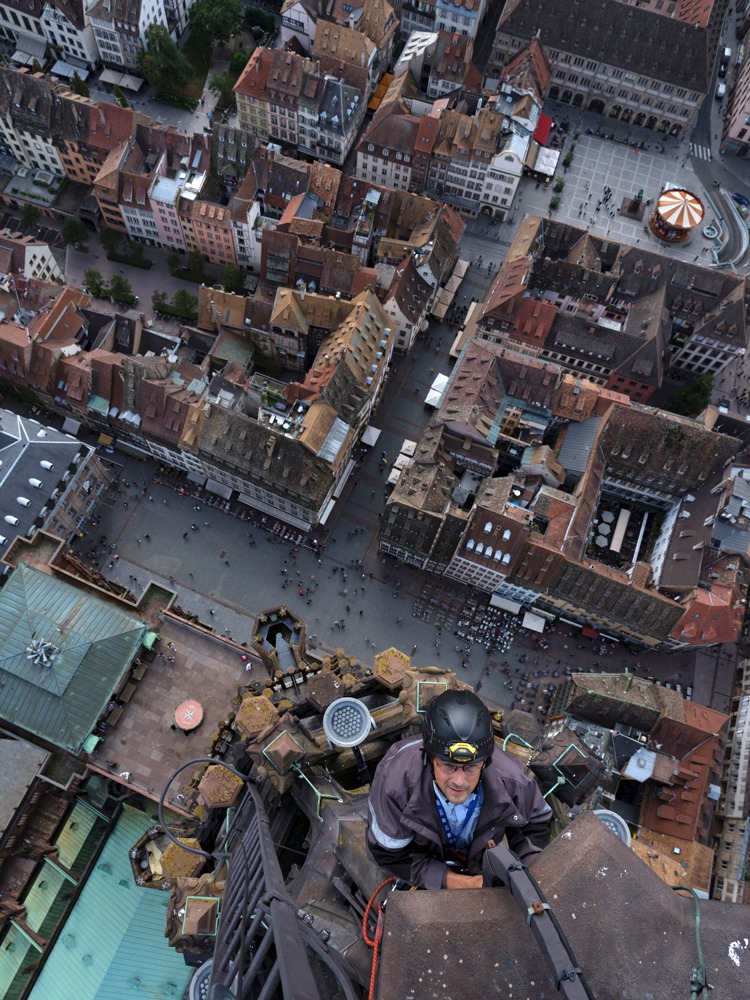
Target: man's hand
[455,881]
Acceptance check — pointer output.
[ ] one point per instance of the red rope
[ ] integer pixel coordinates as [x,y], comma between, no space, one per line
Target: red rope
[374,943]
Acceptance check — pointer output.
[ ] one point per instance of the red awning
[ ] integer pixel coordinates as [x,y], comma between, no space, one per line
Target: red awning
[543,129]
[590,633]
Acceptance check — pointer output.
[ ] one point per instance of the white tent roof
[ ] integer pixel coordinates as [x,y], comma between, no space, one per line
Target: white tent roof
[437,390]
[534,622]
[370,436]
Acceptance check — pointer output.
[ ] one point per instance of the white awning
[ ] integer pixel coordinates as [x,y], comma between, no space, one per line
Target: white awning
[437,391]
[70,426]
[65,69]
[118,79]
[131,82]
[370,436]
[505,604]
[394,477]
[439,309]
[408,447]
[110,76]
[401,461]
[534,622]
[342,482]
[219,488]
[196,477]
[274,512]
[462,266]
[30,47]
[327,511]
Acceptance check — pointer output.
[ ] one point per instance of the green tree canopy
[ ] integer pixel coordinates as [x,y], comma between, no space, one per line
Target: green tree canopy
[74,231]
[78,86]
[29,216]
[120,97]
[120,288]
[162,63]
[233,278]
[222,85]
[195,265]
[238,62]
[92,279]
[215,20]
[185,303]
[174,262]
[693,397]
[135,250]
[255,17]
[109,239]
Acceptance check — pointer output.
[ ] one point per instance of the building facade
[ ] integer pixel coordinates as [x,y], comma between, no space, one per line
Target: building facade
[604,61]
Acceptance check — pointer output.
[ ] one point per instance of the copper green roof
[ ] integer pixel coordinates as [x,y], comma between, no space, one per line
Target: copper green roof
[62,655]
[112,946]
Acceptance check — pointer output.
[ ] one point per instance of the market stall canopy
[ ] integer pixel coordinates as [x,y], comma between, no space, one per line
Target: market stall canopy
[543,129]
[437,391]
[370,436]
[29,48]
[534,622]
[61,68]
[117,79]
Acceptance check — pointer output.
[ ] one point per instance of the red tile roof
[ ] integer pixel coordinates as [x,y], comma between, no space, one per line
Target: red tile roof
[713,616]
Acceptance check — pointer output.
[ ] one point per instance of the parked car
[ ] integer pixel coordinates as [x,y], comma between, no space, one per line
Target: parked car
[741,199]
[721,91]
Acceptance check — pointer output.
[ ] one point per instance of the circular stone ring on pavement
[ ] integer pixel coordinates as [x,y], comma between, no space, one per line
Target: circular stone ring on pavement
[710,232]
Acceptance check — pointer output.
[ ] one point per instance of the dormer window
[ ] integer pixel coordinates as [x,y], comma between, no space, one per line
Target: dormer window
[488,527]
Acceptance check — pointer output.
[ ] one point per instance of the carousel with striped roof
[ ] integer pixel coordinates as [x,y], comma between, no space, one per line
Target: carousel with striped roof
[676,214]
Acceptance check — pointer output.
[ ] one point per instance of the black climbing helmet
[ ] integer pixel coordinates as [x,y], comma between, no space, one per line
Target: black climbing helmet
[457,727]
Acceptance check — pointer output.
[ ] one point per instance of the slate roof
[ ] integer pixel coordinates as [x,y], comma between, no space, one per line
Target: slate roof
[24,444]
[633,38]
[576,448]
[254,451]
[95,642]
[616,600]
[19,763]
[679,452]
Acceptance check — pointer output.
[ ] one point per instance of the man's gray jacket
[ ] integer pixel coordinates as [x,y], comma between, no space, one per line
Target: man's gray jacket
[405,835]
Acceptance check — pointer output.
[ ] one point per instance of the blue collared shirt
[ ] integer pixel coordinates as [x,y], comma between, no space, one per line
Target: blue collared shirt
[456,815]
